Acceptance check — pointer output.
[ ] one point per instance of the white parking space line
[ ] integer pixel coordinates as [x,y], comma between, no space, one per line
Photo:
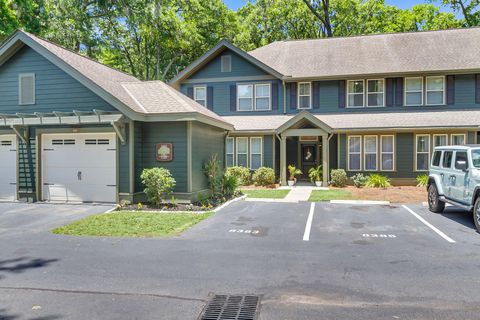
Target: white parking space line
[308,226]
[425,222]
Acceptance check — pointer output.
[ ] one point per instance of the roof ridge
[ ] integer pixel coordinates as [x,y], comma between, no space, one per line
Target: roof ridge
[133,97]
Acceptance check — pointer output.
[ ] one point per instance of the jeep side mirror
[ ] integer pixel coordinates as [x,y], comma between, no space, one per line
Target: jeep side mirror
[461,165]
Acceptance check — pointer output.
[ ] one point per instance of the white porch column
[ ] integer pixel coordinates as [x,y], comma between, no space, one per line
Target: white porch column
[283,160]
[325,160]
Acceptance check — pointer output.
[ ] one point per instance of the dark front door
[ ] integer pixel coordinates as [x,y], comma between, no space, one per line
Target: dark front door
[309,158]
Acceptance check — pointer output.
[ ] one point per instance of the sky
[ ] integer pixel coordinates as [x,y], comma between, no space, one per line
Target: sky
[404,4]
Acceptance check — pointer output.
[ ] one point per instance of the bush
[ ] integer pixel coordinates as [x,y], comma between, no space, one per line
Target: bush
[338,177]
[159,184]
[243,174]
[293,172]
[422,180]
[264,176]
[359,180]
[377,181]
[229,184]
[214,175]
[315,173]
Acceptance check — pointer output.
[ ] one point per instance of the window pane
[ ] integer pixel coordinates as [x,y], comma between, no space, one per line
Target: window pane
[304,102]
[387,161]
[354,144]
[375,85]
[245,104]
[200,93]
[242,145]
[387,144]
[435,83]
[476,158]
[256,161]
[355,100]
[435,97]
[262,104]
[355,86]
[256,145]
[461,156]
[242,160]
[375,99]
[413,84]
[436,158]
[262,90]
[422,144]
[440,141]
[414,98]
[229,145]
[370,144]
[370,162]
[245,91]
[229,160]
[354,162]
[458,139]
[422,161]
[304,89]
[447,159]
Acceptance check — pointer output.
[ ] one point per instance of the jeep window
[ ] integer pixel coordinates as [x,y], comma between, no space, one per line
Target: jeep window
[461,156]
[436,158]
[476,158]
[447,159]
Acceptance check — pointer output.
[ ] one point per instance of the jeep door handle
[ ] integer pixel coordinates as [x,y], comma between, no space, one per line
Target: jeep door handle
[453,177]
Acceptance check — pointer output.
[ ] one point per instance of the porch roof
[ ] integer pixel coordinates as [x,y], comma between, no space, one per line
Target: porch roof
[366,121]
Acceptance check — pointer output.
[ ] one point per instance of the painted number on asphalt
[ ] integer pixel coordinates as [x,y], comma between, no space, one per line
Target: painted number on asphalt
[244,231]
[378,235]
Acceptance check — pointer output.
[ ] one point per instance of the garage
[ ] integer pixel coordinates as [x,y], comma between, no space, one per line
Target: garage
[8,167]
[79,167]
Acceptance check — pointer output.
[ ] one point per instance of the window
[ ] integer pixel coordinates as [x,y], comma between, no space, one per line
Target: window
[229,150]
[440,140]
[460,156]
[242,152]
[435,90]
[423,152]
[387,151]
[436,158]
[26,88]
[245,97]
[447,159]
[476,158]
[375,93]
[200,95]
[414,91]
[355,93]
[226,64]
[255,152]
[370,153]
[304,95]
[354,153]
[458,139]
[262,97]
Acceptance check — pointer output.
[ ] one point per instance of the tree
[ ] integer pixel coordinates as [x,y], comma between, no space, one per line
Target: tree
[321,9]
[470,9]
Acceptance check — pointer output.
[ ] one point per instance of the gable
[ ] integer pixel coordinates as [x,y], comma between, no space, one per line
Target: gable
[55,89]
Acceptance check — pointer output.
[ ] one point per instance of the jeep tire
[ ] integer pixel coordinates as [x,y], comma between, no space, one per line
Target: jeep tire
[434,202]
[476,214]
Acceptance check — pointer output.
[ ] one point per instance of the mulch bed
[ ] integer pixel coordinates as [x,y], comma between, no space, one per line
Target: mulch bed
[403,194]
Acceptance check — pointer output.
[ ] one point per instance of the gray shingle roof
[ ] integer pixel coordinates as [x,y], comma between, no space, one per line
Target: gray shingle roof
[446,50]
[367,121]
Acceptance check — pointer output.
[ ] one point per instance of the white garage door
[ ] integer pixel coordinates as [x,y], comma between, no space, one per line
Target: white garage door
[79,167]
[8,167]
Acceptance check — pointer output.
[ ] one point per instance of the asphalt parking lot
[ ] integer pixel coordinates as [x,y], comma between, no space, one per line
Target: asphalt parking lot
[327,261]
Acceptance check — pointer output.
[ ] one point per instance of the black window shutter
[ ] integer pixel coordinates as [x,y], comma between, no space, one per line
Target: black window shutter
[274,96]
[451,89]
[390,91]
[293,96]
[190,92]
[210,98]
[233,98]
[399,92]
[316,94]
[477,88]
[341,93]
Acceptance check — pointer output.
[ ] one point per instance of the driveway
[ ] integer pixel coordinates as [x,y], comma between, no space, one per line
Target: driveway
[358,262]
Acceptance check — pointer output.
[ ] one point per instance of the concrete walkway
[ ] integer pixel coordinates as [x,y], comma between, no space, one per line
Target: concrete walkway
[297,193]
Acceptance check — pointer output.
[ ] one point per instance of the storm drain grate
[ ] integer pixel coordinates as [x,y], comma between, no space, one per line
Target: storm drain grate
[231,307]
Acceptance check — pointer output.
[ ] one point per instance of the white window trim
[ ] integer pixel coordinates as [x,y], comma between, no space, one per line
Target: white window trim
[195,94]
[348,94]
[251,153]
[423,152]
[365,152]
[427,91]
[238,153]
[359,153]
[253,97]
[23,75]
[227,153]
[458,134]
[269,96]
[405,91]
[440,135]
[309,96]
[229,57]
[392,153]
[382,92]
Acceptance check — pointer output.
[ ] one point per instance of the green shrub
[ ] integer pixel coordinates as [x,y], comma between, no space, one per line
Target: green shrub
[377,181]
[264,176]
[338,177]
[315,173]
[159,184]
[229,184]
[243,174]
[359,180]
[214,175]
[293,172]
[422,180]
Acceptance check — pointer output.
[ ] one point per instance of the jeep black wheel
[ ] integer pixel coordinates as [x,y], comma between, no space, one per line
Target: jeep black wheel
[476,214]
[434,203]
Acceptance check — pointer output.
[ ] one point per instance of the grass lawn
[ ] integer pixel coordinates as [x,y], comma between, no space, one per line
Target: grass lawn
[332,194]
[266,193]
[133,224]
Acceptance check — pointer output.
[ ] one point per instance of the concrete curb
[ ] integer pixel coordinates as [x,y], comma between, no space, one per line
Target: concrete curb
[229,202]
[360,202]
[269,200]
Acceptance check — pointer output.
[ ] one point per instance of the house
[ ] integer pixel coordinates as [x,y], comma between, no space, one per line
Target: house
[72,129]
[366,104]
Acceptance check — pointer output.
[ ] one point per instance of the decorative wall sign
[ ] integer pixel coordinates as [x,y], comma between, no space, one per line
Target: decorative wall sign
[164,152]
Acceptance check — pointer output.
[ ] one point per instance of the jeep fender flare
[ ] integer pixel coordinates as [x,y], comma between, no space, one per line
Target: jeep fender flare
[475,194]
[436,180]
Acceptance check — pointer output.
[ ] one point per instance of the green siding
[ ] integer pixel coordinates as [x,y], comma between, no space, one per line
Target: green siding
[124,164]
[206,141]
